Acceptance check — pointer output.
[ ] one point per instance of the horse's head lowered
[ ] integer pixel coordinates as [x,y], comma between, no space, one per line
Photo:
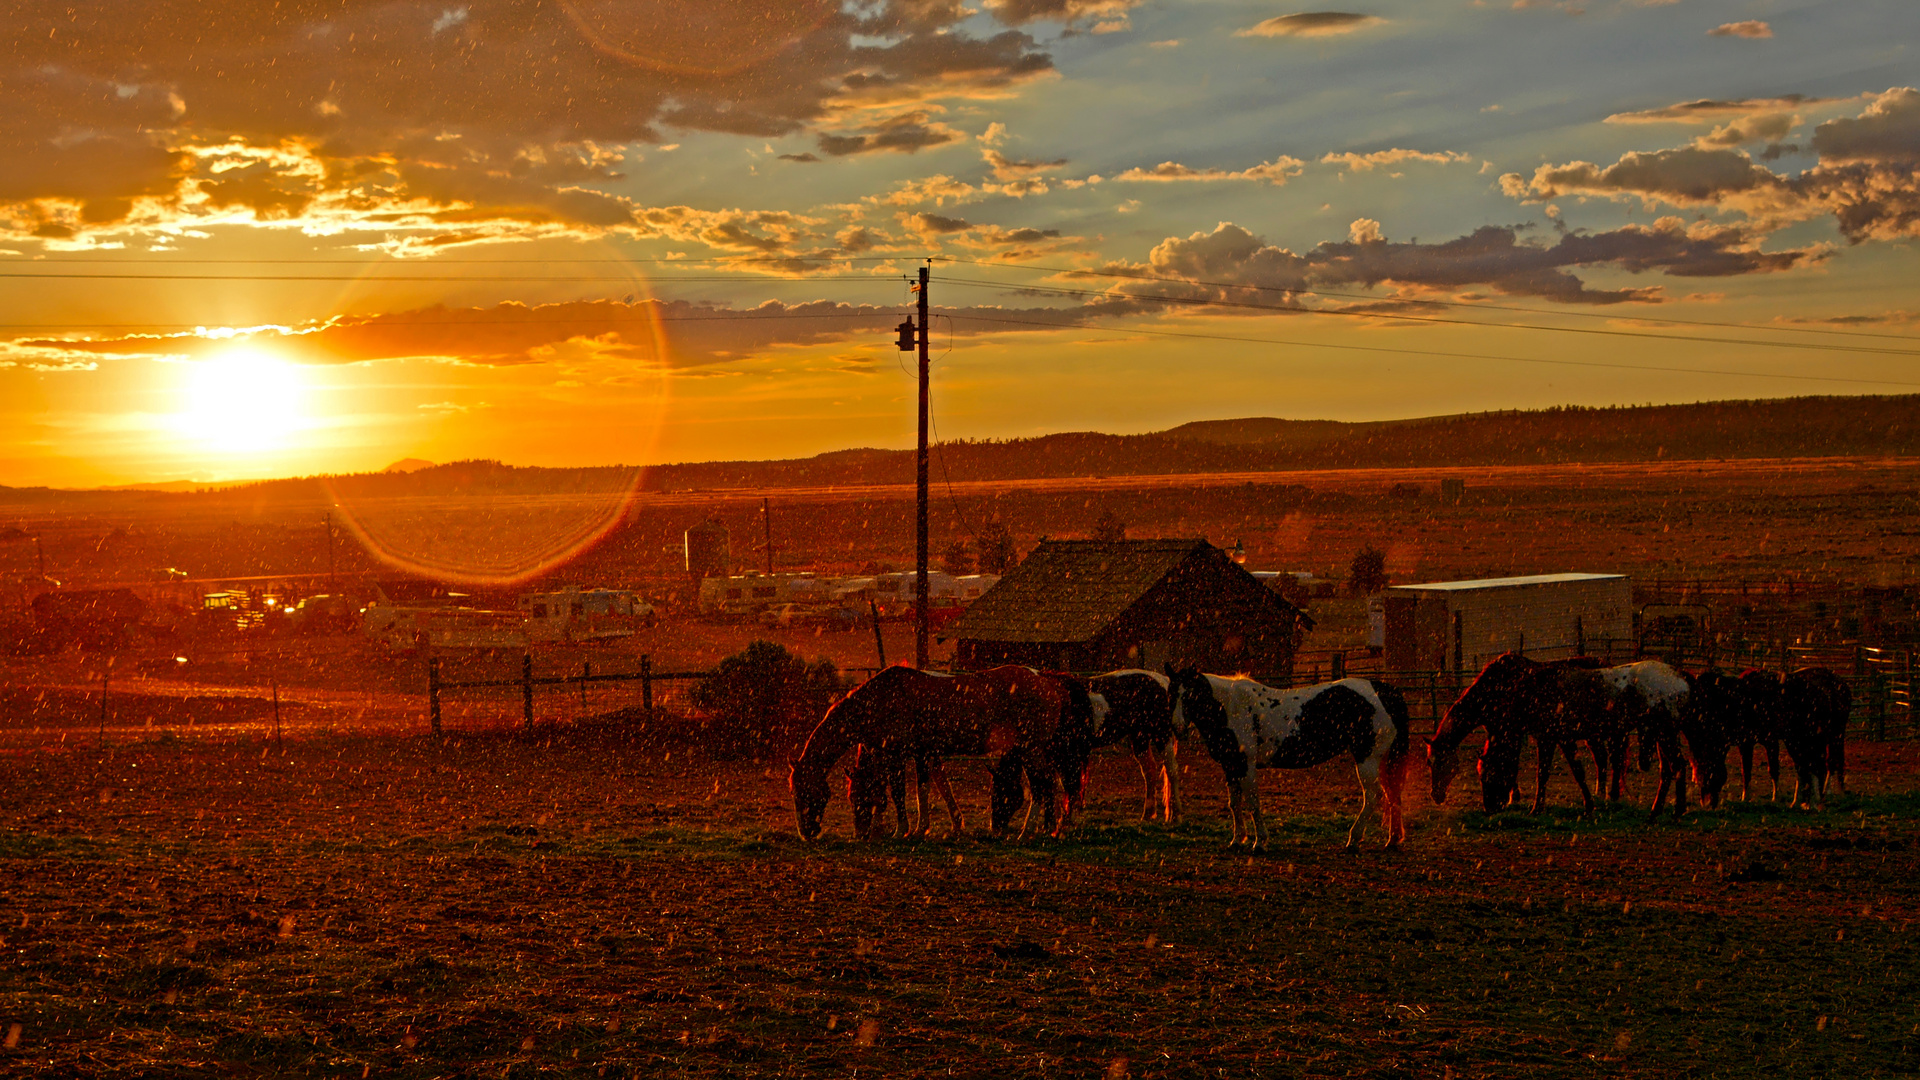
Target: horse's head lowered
[809,785]
[1491,691]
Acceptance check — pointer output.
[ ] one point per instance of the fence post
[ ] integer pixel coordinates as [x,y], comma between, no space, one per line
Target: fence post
[433,692]
[526,689]
[646,685]
[586,672]
[1337,666]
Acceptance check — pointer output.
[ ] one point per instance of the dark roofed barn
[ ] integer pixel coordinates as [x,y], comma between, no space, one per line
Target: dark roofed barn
[1098,605]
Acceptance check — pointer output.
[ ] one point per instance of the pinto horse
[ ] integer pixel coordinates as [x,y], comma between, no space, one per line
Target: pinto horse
[1133,706]
[1247,726]
[1561,705]
[905,714]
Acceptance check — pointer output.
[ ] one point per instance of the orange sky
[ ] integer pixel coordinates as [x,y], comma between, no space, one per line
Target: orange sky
[600,233]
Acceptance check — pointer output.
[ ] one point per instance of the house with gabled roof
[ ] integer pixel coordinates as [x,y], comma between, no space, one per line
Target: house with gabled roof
[1098,605]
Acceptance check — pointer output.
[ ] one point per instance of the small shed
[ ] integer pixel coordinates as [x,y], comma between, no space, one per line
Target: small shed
[1098,605]
[1460,625]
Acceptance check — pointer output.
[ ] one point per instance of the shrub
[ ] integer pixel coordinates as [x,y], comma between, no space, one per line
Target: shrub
[763,700]
[1368,572]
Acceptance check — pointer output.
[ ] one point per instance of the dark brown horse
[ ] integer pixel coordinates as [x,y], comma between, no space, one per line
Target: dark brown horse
[1560,705]
[1807,710]
[903,714]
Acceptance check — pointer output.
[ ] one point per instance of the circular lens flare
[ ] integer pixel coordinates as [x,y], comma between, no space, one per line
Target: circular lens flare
[719,37]
[488,523]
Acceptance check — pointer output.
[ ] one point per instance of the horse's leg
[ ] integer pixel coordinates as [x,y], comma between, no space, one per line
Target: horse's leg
[1393,779]
[1541,771]
[1746,769]
[1252,784]
[1237,806]
[1149,764]
[1170,785]
[1369,772]
[897,787]
[1837,761]
[1773,768]
[1041,791]
[1571,751]
[938,770]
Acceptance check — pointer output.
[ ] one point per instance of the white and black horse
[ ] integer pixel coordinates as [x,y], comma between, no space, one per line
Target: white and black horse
[1132,706]
[1248,726]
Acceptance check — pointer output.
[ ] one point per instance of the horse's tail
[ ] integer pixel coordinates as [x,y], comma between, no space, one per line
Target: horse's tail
[1396,705]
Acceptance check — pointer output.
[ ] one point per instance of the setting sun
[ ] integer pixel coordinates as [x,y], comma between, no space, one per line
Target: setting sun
[242,401]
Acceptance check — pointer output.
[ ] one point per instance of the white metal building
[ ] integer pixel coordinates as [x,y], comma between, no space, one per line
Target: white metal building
[1460,625]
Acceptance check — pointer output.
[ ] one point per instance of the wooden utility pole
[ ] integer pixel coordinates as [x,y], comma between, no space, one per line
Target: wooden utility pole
[766,520]
[920,489]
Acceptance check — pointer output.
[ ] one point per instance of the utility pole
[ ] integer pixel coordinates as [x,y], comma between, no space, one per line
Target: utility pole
[920,489]
[333,585]
[910,339]
[766,519]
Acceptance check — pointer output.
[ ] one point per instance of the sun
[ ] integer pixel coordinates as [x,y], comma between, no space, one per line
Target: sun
[243,401]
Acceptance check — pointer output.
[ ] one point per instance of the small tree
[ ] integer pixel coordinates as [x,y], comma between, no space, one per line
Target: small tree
[761,698]
[995,548]
[1368,572]
[957,559]
[1109,527]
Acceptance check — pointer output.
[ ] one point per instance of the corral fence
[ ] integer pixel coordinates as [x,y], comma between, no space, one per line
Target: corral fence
[1881,678]
[578,692]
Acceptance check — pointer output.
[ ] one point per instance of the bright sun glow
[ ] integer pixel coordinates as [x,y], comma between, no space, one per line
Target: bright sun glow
[243,401]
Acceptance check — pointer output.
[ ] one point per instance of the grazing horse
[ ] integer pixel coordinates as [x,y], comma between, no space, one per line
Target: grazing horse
[1247,726]
[1560,705]
[1814,707]
[1132,706]
[903,713]
[1727,712]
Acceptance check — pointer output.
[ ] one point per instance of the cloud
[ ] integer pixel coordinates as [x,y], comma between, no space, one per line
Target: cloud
[1714,110]
[1867,177]
[1493,256]
[1022,12]
[118,117]
[1276,172]
[1310,24]
[1747,28]
[901,134]
[1388,158]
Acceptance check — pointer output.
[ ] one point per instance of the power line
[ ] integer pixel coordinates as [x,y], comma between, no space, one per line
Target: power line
[1062,290]
[1432,352]
[1476,306]
[729,278]
[377,322]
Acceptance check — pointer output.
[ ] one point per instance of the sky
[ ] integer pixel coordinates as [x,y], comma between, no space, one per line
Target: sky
[285,237]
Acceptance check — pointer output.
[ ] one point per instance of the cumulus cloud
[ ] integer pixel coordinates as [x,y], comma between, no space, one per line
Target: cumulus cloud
[1275,172]
[1746,28]
[1310,24]
[1867,177]
[1389,158]
[114,111]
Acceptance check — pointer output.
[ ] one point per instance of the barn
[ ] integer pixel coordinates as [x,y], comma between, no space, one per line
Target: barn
[1460,625]
[1098,605]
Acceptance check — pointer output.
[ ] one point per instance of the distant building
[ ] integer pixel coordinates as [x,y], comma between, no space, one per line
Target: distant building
[1460,625]
[1097,605]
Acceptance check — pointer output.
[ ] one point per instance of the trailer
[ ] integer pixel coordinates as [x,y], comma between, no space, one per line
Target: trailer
[1460,625]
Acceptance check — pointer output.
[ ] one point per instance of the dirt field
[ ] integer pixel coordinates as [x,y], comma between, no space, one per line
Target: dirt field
[573,904]
[186,895]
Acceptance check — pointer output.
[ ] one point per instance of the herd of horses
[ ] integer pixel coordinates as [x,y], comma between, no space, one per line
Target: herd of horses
[1041,729]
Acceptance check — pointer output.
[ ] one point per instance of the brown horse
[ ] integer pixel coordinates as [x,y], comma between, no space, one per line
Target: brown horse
[905,714]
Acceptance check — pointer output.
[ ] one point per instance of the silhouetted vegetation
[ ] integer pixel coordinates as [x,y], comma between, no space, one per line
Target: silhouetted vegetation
[763,699]
[1367,574]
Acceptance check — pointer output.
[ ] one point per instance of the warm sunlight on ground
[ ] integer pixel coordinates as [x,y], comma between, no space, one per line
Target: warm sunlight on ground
[244,401]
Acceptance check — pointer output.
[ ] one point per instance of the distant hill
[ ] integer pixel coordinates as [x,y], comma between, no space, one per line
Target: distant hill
[412,464]
[1786,427]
